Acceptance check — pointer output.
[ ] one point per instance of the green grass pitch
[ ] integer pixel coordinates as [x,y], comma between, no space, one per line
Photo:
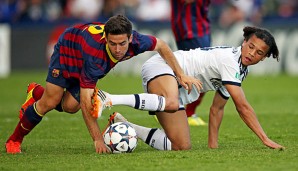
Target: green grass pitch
[61,141]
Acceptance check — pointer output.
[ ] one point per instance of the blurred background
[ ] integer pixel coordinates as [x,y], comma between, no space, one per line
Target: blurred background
[29,28]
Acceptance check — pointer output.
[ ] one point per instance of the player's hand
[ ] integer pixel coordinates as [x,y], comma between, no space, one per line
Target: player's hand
[187,82]
[271,144]
[100,147]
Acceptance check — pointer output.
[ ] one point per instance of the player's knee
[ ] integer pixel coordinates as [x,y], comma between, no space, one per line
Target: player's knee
[181,146]
[71,109]
[181,143]
[172,105]
[45,106]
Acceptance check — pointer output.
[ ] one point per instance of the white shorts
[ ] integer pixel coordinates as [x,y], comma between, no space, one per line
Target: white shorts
[155,67]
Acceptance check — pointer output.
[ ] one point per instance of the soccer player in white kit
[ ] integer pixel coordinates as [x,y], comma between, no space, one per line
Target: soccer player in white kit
[221,69]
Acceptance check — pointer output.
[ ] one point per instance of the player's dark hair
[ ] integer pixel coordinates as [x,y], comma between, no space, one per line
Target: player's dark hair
[118,24]
[266,36]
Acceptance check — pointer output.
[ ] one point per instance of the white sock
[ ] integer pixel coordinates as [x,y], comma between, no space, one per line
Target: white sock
[144,101]
[154,137]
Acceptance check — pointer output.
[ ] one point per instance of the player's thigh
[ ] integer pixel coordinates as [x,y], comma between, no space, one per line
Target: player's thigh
[176,128]
[167,87]
[69,103]
[51,97]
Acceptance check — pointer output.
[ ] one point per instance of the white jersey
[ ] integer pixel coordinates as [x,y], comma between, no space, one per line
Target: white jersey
[213,66]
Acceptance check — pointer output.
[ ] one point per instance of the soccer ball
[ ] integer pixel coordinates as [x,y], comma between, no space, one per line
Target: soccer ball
[120,138]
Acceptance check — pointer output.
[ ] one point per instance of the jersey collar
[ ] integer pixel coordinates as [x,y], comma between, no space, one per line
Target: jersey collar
[110,54]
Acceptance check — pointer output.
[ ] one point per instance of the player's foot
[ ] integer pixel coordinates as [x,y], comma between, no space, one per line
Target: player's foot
[30,100]
[115,117]
[194,120]
[100,100]
[13,147]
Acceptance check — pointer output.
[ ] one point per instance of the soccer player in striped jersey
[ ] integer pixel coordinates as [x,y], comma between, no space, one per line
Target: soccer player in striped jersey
[191,28]
[84,54]
[221,69]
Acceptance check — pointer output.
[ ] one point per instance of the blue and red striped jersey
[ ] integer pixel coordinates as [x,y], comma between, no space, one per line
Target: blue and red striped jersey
[84,53]
[190,20]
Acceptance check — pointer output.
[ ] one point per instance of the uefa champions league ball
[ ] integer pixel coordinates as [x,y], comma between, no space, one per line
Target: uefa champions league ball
[120,138]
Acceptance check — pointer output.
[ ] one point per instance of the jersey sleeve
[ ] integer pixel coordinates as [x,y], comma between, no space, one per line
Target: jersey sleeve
[90,74]
[230,72]
[142,42]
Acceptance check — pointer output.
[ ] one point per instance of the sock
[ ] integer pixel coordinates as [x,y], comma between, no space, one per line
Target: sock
[59,107]
[154,137]
[191,108]
[37,92]
[150,102]
[26,124]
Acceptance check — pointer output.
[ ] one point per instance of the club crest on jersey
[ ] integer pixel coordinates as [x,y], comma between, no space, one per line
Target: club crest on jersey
[55,73]
[237,75]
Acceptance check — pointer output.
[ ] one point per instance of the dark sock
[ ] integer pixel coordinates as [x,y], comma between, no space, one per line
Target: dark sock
[26,124]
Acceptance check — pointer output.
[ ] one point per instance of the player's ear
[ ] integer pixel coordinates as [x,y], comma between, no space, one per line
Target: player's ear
[130,38]
[244,41]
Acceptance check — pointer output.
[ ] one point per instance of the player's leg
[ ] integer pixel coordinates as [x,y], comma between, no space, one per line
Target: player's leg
[160,97]
[158,78]
[70,102]
[50,99]
[176,128]
[154,137]
[161,100]
[33,115]
[166,86]
[186,44]
[174,136]
[175,123]
[152,70]
[143,101]
[34,93]
[191,108]
[193,118]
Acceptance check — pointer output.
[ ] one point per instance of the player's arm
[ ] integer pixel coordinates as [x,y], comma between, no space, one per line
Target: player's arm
[166,53]
[248,115]
[91,123]
[215,117]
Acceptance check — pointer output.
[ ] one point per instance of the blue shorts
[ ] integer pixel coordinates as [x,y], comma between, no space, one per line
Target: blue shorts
[187,44]
[55,76]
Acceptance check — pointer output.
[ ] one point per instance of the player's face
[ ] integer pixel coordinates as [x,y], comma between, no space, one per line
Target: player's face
[253,51]
[118,44]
